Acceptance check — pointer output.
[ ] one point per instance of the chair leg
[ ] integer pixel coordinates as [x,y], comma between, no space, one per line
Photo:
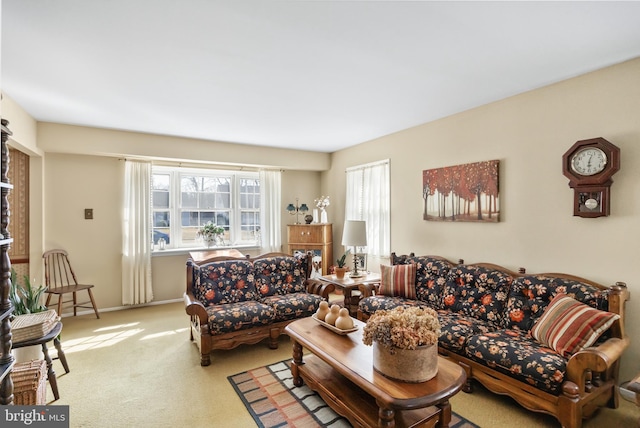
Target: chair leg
[75,302]
[93,302]
[60,304]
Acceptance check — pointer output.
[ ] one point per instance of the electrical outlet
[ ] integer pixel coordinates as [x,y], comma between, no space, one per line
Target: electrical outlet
[88,213]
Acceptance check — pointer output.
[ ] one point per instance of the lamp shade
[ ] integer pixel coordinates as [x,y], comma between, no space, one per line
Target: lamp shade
[290,208]
[354,233]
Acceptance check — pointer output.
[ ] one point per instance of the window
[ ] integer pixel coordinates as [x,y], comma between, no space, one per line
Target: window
[369,199]
[184,199]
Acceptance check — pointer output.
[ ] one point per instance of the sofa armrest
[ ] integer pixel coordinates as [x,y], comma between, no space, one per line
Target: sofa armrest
[367,290]
[601,359]
[194,307]
[319,287]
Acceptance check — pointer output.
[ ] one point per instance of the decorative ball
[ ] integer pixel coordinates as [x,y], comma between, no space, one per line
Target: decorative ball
[332,316]
[323,310]
[308,218]
[344,321]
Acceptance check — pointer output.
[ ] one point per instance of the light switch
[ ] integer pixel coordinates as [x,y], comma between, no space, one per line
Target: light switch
[88,213]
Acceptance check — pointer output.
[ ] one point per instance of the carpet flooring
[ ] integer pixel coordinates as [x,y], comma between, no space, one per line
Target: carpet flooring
[274,402]
[138,368]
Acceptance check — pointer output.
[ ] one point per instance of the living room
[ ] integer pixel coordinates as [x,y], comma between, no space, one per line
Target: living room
[77,167]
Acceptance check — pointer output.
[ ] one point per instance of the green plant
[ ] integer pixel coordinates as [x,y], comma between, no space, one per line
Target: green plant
[209,230]
[26,299]
[342,260]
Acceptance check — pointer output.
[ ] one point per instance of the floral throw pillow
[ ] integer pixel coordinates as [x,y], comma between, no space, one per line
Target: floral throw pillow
[568,326]
[398,281]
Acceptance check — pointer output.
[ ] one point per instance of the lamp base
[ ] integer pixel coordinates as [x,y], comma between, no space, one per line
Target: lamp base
[356,273]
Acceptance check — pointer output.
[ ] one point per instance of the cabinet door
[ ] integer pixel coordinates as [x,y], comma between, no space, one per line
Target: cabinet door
[303,234]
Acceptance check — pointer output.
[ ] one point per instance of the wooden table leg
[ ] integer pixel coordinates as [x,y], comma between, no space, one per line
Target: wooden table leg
[296,363]
[445,415]
[386,417]
[61,356]
[51,374]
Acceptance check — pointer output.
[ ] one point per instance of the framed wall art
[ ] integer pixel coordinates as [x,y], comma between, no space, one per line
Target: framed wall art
[467,192]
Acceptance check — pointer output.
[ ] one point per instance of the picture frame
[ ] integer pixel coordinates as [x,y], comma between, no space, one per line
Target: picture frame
[362,261]
[466,192]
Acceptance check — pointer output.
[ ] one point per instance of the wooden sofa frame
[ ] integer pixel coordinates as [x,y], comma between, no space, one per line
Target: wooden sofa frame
[591,378]
[198,318]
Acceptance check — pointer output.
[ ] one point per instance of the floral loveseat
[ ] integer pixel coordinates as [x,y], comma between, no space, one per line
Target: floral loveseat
[526,336]
[235,301]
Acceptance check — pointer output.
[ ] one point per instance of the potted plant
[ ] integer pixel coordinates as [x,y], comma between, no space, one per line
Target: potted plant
[405,342]
[26,299]
[341,267]
[211,234]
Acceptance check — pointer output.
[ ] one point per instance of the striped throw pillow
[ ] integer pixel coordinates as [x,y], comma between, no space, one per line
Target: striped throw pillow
[398,281]
[568,326]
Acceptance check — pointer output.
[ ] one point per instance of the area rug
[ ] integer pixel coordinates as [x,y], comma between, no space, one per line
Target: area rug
[274,401]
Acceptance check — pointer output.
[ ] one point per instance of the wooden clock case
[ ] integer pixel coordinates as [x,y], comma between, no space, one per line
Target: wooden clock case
[591,193]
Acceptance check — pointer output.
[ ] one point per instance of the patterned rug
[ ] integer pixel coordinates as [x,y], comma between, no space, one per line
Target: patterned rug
[273,401]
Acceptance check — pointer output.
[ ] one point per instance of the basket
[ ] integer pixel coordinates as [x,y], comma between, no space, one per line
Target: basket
[29,383]
[33,326]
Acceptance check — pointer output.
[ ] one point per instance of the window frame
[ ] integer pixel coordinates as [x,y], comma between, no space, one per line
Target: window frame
[233,236]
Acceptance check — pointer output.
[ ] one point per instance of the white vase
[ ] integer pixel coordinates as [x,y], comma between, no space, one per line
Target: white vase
[323,216]
[406,365]
[28,353]
[315,215]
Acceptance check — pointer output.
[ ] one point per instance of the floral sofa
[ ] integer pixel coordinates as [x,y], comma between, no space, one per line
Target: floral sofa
[233,301]
[553,342]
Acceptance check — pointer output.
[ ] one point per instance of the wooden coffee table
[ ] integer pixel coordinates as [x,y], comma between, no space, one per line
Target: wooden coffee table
[341,371]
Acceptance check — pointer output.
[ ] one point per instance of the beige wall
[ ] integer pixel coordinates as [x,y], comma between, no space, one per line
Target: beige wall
[75,182]
[528,133]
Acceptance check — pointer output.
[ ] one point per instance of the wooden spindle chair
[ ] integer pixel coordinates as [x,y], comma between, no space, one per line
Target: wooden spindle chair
[60,280]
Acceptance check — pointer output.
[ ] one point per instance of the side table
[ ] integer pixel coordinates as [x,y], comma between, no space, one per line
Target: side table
[51,336]
[349,285]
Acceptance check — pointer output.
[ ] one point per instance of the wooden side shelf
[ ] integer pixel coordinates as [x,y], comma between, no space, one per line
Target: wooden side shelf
[6,308]
[348,400]
[317,238]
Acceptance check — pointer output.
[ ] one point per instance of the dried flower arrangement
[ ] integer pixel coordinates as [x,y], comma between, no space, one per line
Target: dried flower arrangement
[402,328]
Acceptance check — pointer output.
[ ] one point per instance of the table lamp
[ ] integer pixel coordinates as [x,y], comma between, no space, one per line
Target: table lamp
[354,235]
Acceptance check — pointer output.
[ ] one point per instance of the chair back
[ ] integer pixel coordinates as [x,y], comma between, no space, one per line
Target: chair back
[57,269]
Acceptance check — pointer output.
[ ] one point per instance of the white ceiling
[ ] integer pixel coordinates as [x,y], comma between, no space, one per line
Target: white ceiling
[314,75]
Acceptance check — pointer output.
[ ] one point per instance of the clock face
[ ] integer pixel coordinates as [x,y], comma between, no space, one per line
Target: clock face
[589,161]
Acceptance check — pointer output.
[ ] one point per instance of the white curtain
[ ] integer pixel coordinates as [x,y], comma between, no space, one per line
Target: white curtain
[270,219]
[136,243]
[369,199]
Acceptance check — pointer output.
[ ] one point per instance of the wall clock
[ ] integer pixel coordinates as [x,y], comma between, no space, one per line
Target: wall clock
[589,166]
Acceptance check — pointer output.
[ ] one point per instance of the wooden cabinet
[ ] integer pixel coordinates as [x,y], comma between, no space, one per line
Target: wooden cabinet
[6,308]
[317,238]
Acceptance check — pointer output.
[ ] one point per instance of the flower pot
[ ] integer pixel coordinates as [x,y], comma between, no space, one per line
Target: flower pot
[28,353]
[340,271]
[406,365]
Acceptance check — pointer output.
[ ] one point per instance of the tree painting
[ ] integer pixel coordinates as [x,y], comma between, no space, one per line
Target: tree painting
[466,192]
